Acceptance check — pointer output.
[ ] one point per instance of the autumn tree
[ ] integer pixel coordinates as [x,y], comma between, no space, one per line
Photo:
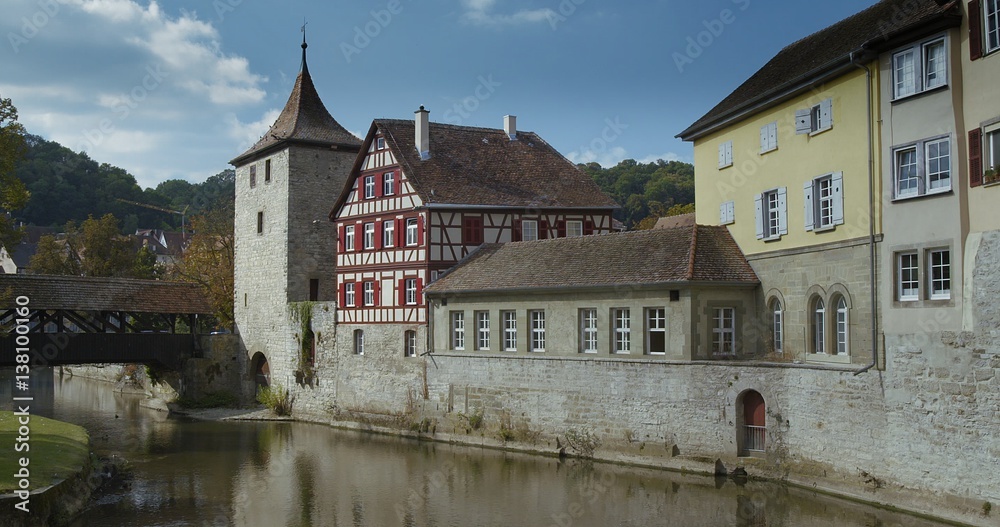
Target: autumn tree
[208,259]
[13,194]
[95,248]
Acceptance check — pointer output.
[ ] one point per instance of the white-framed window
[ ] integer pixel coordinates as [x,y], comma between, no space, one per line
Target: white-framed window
[482,330]
[509,330]
[771,214]
[920,67]
[922,168]
[379,143]
[907,277]
[369,187]
[777,326]
[991,147]
[537,317]
[458,330]
[939,263]
[388,184]
[842,326]
[814,119]
[819,327]
[724,332]
[574,228]
[410,343]
[349,294]
[623,330]
[388,233]
[529,230]
[369,240]
[727,213]
[656,331]
[991,15]
[369,293]
[769,137]
[410,291]
[359,342]
[824,201]
[726,154]
[588,330]
[349,238]
[411,232]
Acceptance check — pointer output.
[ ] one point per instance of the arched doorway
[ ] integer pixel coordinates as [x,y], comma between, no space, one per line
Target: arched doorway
[753,431]
[261,370]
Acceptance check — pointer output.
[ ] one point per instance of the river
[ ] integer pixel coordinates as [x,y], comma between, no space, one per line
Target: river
[186,472]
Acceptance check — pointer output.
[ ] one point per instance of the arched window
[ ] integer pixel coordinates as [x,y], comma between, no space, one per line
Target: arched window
[410,343]
[819,326]
[359,342]
[777,326]
[754,423]
[842,332]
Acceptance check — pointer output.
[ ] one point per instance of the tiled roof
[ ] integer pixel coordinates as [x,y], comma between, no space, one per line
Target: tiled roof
[694,253]
[106,294]
[809,59]
[304,119]
[482,166]
[681,220]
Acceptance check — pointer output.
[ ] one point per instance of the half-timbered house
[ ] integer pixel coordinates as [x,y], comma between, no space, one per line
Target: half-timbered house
[424,195]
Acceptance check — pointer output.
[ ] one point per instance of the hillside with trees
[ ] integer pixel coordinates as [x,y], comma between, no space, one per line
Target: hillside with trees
[646,191]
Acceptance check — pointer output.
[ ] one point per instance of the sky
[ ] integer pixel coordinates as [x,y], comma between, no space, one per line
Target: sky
[175,89]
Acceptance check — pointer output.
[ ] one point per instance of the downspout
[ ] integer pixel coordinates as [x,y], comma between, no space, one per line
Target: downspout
[871,218]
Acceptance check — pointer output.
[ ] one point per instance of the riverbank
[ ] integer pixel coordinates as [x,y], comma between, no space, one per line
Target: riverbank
[934,508]
[61,471]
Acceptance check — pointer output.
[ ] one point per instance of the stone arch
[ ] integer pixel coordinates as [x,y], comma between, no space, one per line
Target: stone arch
[839,315]
[774,319]
[735,411]
[751,426]
[261,370]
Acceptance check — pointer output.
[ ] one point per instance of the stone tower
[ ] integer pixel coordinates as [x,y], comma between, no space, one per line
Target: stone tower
[284,242]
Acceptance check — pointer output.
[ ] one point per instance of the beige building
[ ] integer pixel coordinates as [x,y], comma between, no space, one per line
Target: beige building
[682,293]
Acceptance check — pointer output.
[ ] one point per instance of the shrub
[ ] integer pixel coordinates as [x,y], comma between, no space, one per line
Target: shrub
[276,398]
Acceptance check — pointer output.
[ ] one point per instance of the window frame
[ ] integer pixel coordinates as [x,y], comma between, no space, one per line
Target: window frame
[524,230]
[267,171]
[253,175]
[842,326]
[991,149]
[621,320]
[777,326]
[388,233]
[389,184]
[369,186]
[917,80]
[260,222]
[380,143]
[359,341]
[933,278]
[723,335]
[988,19]
[349,237]
[651,328]
[410,291]
[536,320]
[369,236]
[412,232]
[588,333]
[349,295]
[921,163]
[772,228]
[409,343]
[815,119]
[725,154]
[817,314]
[457,325]
[574,225]
[769,137]
[368,293]
[907,276]
[509,318]
[482,319]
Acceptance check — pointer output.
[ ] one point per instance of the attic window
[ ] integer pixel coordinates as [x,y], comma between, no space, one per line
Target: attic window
[380,143]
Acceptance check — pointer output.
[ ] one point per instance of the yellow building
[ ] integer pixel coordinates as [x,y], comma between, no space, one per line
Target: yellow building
[790,161]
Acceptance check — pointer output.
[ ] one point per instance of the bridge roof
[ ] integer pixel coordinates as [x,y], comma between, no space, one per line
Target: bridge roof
[105,294]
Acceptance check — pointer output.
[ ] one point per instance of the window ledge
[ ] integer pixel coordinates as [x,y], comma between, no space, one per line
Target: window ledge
[919,93]
[823,357]
[771,239]
[993,183]
[935,192]
[762,152]
[725,166]
[821,130]
[828,228]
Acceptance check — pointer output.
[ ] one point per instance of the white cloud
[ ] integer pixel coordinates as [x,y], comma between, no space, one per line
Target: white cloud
[478,12]
[247,134]
[669,156]
[606,158]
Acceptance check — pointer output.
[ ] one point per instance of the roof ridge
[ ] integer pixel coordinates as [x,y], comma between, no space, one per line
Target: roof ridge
[692,251]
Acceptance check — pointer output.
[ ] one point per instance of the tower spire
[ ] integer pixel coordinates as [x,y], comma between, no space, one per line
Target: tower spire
[304,45]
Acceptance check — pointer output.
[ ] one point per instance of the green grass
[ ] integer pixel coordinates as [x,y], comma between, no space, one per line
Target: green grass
[57,450]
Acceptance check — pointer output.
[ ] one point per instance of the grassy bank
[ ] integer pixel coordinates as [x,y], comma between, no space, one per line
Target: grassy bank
[57,451]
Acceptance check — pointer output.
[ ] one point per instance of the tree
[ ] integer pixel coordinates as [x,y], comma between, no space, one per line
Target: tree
[13,194]
[52,257]
[95,248]
[208,259]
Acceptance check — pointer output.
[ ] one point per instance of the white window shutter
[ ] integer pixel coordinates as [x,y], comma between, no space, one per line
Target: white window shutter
[725,154]
[758,202]
[803,121]
[807,189]
[722,155]
[722,214]
[838,198]
[729,153]
[726,215]
[764,144]
[731,211]
[782,211]
[772,136]
[826,114]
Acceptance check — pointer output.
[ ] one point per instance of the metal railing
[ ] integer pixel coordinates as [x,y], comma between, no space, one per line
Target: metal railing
[753,438]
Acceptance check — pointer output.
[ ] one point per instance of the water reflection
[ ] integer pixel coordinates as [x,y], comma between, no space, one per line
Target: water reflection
[270,474]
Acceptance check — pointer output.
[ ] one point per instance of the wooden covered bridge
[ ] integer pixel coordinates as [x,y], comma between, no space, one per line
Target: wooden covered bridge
[76,320]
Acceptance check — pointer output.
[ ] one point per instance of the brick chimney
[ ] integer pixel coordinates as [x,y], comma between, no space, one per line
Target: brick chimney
[510,126]
[422,133]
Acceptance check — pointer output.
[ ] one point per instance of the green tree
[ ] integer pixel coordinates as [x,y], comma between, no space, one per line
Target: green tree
[95,248]
[208,260]
[13,194]
[52,257]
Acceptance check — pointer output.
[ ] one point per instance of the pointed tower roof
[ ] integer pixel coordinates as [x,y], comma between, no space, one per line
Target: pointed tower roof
[304,120]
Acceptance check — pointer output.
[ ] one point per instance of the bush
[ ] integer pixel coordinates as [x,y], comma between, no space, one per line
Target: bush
[276,398]
[583,443]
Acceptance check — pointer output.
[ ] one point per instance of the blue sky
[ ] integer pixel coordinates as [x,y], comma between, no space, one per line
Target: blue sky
[177,88]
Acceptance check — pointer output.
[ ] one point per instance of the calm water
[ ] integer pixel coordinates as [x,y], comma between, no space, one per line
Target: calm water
[292,474]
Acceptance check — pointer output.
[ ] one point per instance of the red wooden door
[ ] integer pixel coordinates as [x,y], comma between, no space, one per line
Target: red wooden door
[753,409]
